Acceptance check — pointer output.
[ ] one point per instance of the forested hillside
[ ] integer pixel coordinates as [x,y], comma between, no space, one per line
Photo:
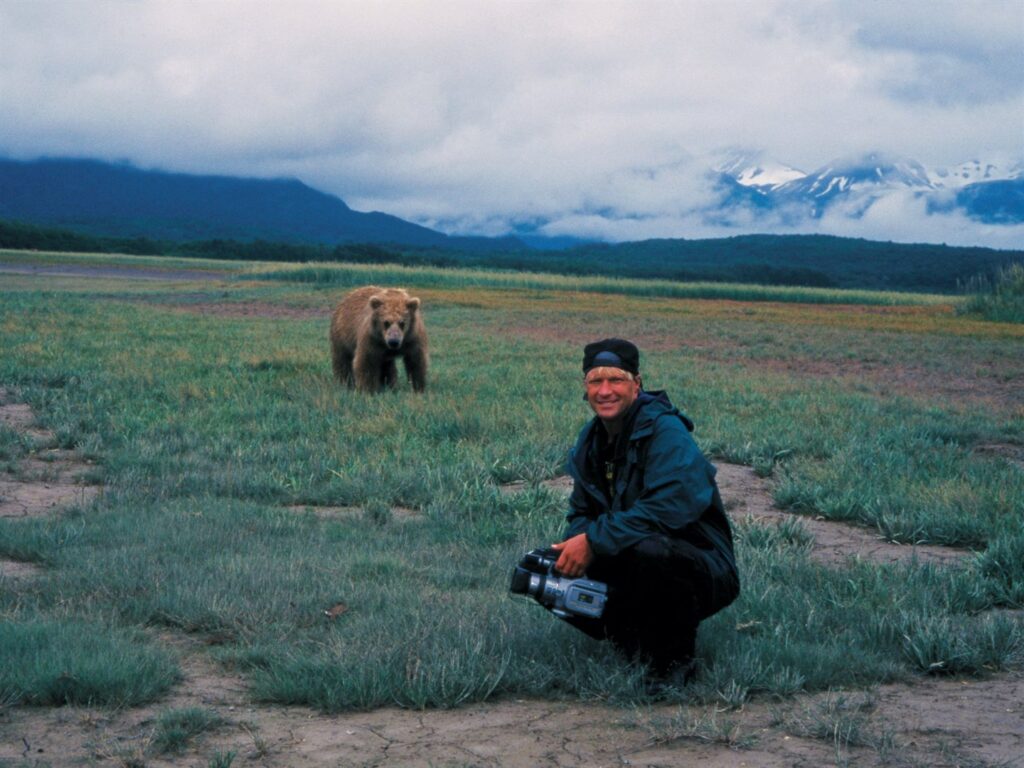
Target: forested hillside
[811,260]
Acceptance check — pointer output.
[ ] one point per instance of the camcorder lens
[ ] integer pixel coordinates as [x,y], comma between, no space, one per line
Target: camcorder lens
[520,581]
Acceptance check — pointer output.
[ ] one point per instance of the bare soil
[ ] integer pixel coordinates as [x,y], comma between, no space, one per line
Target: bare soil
[13,570]
[748,496]
[255,309]
[112,271]
[907,380]
[326,512]
[1011,453]
[933,722]
[49,478]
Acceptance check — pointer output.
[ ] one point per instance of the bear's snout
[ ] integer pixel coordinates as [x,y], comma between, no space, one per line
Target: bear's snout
[393,337]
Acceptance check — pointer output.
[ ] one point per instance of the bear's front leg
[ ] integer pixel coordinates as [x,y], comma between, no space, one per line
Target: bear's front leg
[367,372]
[388,373]
[416,369]
[342,360]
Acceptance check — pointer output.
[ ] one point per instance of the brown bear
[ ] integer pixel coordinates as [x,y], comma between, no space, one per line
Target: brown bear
[369,329]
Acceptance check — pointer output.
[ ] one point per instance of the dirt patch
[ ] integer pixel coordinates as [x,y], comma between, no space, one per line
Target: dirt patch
[205,683]
[399,514]
[15,416]
[913,381]
[30,500]
[560,484]
[932,722]
[748,496]
[112,271]
[13,570]
[1011,453]
[253,309]
[49,478]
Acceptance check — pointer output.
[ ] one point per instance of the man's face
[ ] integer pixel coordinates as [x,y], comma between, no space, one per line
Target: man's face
[610,392]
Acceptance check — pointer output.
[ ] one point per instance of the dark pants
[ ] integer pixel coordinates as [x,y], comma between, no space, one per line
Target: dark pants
[658,592]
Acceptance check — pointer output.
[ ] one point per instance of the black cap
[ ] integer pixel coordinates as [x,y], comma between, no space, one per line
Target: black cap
[614,353]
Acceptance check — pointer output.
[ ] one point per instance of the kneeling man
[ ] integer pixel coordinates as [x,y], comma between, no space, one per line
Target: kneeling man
[646,518]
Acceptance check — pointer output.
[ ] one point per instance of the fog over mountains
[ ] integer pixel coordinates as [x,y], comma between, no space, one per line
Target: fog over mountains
[743,192]
[985,191]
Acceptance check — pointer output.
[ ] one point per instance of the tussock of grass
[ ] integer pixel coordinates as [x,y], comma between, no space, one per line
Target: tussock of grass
[176,729]
[73,662]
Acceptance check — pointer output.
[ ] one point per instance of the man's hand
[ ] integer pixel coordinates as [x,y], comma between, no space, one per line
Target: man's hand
[575,556]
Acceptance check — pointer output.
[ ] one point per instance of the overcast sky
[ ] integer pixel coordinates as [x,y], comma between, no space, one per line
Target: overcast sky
[597,117]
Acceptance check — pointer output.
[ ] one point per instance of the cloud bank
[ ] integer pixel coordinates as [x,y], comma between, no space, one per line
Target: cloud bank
[588,117]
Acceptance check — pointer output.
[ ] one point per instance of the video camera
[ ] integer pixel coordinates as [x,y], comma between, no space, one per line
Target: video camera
[535,576]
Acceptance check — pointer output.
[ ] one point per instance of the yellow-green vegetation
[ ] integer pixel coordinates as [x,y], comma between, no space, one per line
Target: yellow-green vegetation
[1001,298]
[223,442]
[360,274]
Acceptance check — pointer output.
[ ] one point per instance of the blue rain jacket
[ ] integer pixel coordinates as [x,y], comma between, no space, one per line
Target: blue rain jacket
[665,485]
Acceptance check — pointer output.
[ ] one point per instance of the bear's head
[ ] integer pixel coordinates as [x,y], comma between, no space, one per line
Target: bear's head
[393,314]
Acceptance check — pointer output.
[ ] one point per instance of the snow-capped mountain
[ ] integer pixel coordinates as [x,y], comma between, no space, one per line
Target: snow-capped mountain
[869,173]
[752,168]
[986,191]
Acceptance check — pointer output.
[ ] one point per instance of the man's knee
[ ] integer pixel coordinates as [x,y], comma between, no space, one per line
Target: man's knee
[659,556]
[654,547]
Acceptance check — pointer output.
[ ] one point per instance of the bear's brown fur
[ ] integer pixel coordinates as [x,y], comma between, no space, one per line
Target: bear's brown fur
[369,329]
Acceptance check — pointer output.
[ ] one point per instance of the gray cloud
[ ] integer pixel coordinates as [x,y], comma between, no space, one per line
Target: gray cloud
[469,115]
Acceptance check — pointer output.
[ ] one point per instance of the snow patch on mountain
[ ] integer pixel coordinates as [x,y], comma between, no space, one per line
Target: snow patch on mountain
[752,168]
[973,172]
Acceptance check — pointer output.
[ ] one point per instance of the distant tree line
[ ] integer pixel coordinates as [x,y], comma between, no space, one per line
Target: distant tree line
[802,260]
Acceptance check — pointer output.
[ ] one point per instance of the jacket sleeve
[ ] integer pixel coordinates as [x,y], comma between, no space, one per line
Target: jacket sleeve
[678,486]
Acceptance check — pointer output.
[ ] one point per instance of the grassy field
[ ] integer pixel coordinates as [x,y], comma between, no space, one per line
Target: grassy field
[220,438]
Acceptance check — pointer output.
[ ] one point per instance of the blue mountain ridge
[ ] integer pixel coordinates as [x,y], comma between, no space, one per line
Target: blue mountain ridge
[857,183]
[119,200]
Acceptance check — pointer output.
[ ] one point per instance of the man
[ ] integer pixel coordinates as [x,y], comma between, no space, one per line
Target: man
[646,518]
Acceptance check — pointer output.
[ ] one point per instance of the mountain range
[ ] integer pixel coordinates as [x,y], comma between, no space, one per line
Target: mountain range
[120,200]
[984,191]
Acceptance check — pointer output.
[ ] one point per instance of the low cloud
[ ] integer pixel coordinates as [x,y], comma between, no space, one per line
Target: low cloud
[473,116]
[901,217]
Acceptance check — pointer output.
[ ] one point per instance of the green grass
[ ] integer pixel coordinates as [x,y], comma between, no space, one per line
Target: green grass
[217,438]
[177,729]
[55,661]
[1000,299]
[352,275]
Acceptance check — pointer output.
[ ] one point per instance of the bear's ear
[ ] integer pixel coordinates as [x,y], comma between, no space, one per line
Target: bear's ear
[375,302]
[412,304]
